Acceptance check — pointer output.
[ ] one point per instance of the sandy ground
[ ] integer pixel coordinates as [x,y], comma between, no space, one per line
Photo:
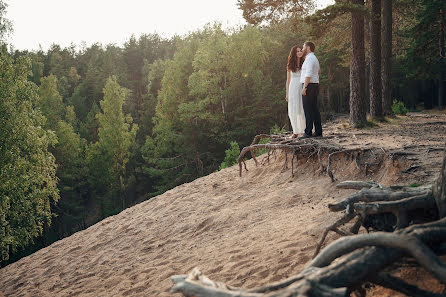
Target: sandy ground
[245,231]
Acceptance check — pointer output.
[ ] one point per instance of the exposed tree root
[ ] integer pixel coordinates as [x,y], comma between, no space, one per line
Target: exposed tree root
[308,148]
[330,156]
[395,283]
[359,258]
[411,245]
[333,227]
[397,201]
[377,193]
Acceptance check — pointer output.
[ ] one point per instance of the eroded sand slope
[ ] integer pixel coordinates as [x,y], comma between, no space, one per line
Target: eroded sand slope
[245,231]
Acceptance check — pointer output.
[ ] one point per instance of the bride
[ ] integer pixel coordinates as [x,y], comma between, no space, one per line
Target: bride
[294,91]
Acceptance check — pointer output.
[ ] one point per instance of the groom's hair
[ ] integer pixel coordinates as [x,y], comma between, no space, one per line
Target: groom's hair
[310,44]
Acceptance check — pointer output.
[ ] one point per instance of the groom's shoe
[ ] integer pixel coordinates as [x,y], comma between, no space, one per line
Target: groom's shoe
[305,136]
[317,135]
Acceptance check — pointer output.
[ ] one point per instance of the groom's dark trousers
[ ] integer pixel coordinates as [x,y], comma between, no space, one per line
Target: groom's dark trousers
[312,114]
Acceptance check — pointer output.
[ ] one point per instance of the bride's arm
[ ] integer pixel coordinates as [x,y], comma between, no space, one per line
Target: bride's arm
[287,83]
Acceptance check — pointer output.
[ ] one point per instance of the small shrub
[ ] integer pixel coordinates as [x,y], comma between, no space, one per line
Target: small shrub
[398,107]
[231,156]
[274,130]
[261,151]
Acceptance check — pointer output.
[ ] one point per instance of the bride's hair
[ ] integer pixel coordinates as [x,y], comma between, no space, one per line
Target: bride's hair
[294,63]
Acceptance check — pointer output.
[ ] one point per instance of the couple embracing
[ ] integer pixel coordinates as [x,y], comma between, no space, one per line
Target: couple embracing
[302,88]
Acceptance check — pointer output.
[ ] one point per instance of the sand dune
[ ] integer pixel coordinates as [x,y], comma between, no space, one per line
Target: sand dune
[245,231]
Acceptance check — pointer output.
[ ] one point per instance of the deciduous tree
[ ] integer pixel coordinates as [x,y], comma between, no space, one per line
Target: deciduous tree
[28,169]
[51,102]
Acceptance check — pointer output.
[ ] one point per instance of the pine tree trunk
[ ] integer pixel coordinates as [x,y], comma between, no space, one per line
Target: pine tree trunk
[439,190]
[121,191]
[328,98]
[375,61]
[386,56]
[357,70]
[441,74]
[441,89]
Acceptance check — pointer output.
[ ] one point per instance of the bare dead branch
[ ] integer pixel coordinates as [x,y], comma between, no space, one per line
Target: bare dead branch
[345,219]
[357,185]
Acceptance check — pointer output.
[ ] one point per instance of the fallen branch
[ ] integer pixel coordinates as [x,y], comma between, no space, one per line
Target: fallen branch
[357,185]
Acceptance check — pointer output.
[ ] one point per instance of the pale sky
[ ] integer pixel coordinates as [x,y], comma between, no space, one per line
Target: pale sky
[43,22]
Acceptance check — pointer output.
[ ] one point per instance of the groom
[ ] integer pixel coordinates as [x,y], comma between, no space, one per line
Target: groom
[310,89]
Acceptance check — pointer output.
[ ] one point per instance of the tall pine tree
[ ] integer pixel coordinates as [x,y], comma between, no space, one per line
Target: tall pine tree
[109,156]
[376,110]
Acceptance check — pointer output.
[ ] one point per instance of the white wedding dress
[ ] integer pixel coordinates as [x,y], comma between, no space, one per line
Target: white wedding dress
[295,106]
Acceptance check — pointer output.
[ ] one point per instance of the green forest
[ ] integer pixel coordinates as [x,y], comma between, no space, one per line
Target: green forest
[89,131]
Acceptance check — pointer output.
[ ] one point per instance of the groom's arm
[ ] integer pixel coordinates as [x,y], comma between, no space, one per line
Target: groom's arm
[307,81]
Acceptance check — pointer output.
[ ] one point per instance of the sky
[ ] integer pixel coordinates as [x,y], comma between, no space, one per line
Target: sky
[44,22]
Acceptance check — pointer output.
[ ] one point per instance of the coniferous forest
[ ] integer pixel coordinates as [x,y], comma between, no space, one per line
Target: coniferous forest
[87,131]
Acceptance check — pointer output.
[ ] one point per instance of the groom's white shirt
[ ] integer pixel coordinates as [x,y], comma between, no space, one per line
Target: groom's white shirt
[310,68]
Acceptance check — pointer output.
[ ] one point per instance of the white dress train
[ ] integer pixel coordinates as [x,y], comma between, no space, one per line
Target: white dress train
[295,106]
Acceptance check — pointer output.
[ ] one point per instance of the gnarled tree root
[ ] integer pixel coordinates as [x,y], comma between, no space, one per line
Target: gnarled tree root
[307,148]
[389,281]
[374,199]
[359,258]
